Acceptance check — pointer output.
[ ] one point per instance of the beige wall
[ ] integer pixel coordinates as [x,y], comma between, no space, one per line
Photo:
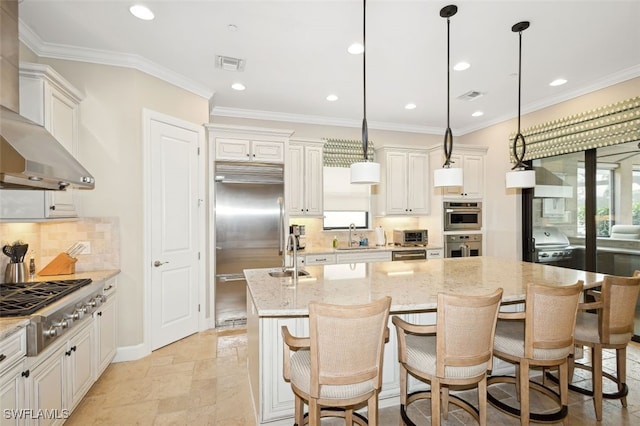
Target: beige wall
[111,149]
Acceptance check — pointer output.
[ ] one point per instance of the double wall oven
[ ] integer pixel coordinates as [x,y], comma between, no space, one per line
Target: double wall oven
[462,223]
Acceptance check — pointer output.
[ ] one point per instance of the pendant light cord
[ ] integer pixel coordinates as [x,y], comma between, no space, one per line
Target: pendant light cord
[519,139]
[448,12]
[365,130]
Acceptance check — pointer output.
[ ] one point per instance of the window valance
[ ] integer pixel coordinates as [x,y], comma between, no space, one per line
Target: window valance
[342,153]
[609,125]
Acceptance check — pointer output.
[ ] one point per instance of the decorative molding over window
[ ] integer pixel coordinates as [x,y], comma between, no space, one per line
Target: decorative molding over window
[342,153]
[609,125]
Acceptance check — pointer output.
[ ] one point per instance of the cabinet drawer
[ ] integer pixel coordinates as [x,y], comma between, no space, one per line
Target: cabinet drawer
[320,259]
[13,348]
[368,256]
[435,254]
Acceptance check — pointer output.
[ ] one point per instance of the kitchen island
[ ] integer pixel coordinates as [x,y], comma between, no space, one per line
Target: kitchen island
[413,287]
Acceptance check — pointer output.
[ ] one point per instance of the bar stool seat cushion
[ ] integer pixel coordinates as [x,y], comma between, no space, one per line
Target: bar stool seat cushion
[510,340]
[421,356]
[587,330]
[301,378]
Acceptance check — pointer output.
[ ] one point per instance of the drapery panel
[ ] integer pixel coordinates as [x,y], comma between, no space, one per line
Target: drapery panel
[609,125]
[342,152]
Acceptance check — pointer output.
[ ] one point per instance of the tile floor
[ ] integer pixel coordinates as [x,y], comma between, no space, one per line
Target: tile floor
[202,380]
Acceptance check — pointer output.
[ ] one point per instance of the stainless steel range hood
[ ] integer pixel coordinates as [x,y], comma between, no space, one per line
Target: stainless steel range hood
[30,156]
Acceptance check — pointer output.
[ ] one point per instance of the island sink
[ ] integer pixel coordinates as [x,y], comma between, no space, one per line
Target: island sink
[287,273]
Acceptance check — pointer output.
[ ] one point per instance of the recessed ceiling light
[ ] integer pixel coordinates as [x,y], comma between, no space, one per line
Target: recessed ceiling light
[410,106]
[558,82]
[332,98]
[232,28]
[238,86]
[477,114]
[356,49]
[141,12]
[461,66]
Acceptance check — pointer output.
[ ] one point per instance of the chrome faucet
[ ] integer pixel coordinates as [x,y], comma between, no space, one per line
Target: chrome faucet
[291,242]
[352,228]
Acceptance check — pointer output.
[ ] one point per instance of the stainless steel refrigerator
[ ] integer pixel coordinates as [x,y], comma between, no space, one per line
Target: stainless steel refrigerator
[249,218]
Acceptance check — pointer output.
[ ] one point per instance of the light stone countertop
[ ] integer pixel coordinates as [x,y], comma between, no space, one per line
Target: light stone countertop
[412,285]
[10,325]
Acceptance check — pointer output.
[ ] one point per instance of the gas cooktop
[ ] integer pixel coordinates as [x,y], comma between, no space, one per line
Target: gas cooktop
[21,299]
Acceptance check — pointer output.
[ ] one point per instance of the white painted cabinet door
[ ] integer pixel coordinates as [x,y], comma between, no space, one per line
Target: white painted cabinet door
[232,149]
[12,394]
[294,180]
[473,176]
[313,180]
[396,183]
[79,357]
[48,388]
[105,348]
[417,183]
[303,180]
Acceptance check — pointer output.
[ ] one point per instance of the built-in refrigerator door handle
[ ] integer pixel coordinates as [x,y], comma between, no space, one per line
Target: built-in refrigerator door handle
[225,278]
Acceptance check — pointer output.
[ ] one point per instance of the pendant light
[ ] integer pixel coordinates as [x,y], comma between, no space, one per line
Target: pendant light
[447,175]
[520,176]
[365,172]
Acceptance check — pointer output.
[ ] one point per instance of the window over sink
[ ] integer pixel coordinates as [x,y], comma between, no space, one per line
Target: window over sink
[344,203]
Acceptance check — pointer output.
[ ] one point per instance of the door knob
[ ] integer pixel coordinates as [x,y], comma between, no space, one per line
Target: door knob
[157,263]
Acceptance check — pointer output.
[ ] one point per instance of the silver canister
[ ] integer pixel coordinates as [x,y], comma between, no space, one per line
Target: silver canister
[15,273]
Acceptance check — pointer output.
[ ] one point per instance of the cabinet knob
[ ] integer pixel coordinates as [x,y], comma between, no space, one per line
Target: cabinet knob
[26,373]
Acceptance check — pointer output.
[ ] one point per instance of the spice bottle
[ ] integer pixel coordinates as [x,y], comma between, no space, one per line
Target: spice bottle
[335,242]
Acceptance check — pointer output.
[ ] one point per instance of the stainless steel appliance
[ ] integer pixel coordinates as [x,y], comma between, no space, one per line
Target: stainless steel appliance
[249,224]
[418,254]
[462,216]
[54,307]
[458,245]
[551,246]
[410,237]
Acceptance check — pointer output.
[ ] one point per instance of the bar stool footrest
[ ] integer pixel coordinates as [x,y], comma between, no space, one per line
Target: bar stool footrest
[622,392]
[453,399]
[556,416]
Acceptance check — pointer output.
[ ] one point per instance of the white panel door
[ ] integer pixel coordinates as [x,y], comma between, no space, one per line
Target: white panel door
[174,232]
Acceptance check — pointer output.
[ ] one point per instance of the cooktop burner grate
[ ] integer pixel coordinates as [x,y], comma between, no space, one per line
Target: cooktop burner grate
[21,299]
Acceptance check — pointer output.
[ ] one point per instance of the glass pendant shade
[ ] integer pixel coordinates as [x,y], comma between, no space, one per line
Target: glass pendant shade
[365,172]
[521,178]
[448,176]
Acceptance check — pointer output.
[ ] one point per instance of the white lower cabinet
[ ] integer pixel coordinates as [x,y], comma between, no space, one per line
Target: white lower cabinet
[105,329]
[61,376]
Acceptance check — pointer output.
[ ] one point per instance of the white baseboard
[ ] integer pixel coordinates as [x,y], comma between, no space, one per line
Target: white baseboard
[131,353]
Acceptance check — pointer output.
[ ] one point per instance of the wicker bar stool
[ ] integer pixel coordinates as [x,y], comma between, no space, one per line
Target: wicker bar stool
[609,327]
[338,368]
[541,336]
[460,353]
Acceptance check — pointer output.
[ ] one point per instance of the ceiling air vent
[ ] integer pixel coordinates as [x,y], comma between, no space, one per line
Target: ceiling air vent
[228,63]
[470,95]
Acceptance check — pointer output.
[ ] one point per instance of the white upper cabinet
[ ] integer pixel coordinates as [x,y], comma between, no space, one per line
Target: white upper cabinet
[303,177]
[249,150]
[403,189]
[472,165]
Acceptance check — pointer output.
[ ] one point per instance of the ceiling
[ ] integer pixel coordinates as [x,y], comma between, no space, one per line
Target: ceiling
[295,54]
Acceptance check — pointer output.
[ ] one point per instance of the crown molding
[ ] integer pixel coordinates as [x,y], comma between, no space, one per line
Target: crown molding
[318,120]
[104,57]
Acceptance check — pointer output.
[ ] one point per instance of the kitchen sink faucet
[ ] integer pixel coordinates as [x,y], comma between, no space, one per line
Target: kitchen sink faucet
[352,228]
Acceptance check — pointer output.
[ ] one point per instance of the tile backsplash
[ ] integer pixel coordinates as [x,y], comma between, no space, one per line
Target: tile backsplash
[48,239]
